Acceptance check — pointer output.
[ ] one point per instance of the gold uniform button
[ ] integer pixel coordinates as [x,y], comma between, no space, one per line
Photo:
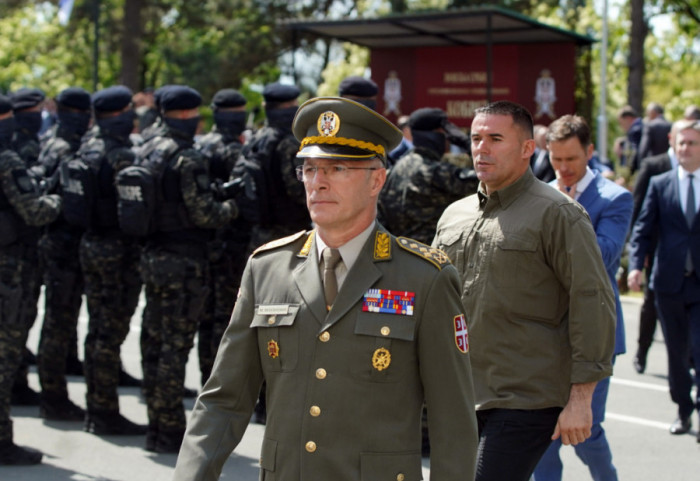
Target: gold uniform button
[325,336]
[321,373]
[311,446]
[315,411]
[385,331]
[400,477]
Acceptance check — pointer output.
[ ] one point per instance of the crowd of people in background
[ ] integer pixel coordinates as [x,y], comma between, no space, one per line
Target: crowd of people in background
[77,216]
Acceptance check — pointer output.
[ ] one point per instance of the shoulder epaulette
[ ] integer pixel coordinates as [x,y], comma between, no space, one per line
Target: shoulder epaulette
[279,242]
[431,254]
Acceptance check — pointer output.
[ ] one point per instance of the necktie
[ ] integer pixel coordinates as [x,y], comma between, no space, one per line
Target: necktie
[331,257]
[689,217]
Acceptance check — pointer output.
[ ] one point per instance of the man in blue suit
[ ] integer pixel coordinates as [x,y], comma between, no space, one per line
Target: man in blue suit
[669,209]
[610,209]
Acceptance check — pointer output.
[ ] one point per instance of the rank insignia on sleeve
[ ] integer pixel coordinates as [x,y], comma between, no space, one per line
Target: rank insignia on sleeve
[461,334]
[273,349]
[381,359]
[389,302]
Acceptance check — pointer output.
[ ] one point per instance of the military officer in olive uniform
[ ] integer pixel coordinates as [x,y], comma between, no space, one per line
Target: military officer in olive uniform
[349,359]
[21,208]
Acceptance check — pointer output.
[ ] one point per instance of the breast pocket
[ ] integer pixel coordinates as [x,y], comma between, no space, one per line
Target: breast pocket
[278,337]
[513,254]
[387,346]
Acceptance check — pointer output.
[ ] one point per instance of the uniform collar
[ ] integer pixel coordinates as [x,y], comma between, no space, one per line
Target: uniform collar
[506,196]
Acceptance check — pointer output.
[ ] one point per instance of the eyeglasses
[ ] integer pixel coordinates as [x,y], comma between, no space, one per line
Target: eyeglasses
[333,172]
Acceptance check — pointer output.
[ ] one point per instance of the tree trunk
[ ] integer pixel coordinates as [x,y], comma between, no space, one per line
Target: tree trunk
[131,45]
[638,33]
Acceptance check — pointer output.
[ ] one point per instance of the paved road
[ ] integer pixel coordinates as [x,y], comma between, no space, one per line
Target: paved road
[639,413]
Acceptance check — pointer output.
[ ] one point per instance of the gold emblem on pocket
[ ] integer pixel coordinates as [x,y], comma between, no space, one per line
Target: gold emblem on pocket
[381,359]
[273,349]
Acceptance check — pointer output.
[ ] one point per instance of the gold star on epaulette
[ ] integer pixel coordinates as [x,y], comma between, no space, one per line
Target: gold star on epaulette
[279,242]
[432,254]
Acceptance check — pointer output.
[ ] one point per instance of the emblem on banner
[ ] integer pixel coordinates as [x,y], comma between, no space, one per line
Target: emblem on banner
[273,349]
[381,359]
[461,334]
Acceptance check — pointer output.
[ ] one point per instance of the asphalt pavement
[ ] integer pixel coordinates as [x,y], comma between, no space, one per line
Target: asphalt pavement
[638,416]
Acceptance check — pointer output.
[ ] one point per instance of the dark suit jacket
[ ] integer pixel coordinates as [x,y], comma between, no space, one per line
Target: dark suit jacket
[610,208]
[543,170]
[662,213]
[654,137]
[650,167]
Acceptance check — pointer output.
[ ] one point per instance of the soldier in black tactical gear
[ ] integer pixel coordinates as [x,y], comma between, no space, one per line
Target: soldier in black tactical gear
[109,261]
[59,248]
[227,252]
[22,209]
[274,149]
[174,264]
[421,184]
[359,89]
[26,106]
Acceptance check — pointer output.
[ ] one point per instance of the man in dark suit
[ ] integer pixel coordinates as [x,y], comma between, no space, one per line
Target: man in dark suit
[539,162]
[610,209]
[669,208]
[650,166]
[349,360]
[654,133]
[632,125]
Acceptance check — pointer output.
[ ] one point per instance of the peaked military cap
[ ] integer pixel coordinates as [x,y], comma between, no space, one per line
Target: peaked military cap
[179,97]
[75,98]
[112,99]
[5,104]
[340,128]
[26,98]
[278,92]
[226,98]
[358,87]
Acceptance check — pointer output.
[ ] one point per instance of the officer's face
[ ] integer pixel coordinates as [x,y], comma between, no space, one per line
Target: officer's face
[500,149]
[569,160]
[345,203]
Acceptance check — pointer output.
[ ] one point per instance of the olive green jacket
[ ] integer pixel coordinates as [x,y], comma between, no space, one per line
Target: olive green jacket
[345,388]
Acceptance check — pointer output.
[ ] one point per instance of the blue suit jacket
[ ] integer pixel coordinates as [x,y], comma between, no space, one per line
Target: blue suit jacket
[662,214]
[610,208]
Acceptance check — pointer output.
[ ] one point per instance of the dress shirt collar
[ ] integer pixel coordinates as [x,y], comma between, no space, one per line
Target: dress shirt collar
[350,251]
[583,184]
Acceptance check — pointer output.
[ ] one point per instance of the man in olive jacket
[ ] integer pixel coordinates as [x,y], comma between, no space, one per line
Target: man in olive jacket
[347,375]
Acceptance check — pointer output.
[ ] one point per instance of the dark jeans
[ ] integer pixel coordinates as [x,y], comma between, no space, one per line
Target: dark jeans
[512,441]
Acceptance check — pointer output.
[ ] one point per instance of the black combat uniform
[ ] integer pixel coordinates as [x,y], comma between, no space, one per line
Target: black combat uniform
[59,249]
[21,209]
[227,252]
[174,265]
[109,261]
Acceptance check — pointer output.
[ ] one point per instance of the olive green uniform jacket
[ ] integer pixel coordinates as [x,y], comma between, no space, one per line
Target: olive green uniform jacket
[344,388]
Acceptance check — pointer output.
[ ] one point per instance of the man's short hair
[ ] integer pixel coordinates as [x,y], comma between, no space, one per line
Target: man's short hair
[567,127]
[692,112]
[627,111]
[682,125]
[655,107]
[520,115]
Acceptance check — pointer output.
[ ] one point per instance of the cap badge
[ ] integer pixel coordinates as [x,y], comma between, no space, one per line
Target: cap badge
[381,359]
[328,124]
